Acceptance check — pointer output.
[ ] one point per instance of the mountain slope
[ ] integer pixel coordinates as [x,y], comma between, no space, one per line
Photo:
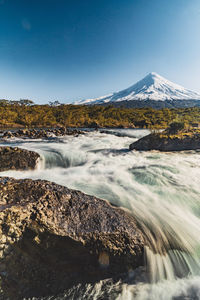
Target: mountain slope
[152,87]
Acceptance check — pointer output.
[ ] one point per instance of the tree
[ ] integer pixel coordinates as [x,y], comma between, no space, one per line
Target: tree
[26,102]
[54,103]
[175,127]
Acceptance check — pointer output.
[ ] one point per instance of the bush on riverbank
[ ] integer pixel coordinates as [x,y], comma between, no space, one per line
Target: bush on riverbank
[175,127]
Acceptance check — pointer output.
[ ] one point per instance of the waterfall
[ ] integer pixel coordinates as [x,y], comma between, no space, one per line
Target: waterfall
[161,190]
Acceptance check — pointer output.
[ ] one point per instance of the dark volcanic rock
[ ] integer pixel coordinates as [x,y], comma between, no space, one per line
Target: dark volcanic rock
[17,159]
[157,141]
[52,237]
[40,133]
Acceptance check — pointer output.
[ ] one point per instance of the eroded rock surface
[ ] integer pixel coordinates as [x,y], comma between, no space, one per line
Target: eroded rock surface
[13,158]
[52,237]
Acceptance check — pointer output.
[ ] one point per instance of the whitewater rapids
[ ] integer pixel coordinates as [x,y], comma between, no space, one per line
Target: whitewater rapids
[160,189]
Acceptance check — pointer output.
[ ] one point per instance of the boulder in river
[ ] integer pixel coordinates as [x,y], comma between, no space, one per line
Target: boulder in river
[52,237]
[166,142]
[13,158]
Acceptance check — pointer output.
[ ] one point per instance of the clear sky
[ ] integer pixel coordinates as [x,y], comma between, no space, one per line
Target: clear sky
[74,49]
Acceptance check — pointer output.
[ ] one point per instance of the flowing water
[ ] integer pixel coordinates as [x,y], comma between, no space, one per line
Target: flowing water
[160,189]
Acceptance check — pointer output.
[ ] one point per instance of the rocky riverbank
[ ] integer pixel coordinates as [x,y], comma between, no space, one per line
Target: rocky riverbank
[40,133]
[168,142]
[17,159]
[52,237]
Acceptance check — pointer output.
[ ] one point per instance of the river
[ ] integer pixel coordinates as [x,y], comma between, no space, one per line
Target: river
[162,191]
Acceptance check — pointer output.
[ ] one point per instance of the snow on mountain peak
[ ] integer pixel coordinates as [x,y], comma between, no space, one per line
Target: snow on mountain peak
[154,75]
[151,87]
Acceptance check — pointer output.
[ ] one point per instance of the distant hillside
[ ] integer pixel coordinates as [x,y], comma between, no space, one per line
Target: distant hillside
[156,104]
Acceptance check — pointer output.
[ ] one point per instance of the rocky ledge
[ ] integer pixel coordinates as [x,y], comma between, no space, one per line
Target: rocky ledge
[52,237]
[17,159]
[40,133]
[166,142]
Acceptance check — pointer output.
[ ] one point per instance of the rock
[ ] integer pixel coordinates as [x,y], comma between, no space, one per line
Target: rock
[17,159]
[40,133]
[94,125]
[9,134]
[162,142]
[52,237]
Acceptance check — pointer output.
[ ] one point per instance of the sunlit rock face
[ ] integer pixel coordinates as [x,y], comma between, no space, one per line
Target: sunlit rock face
[52,237]
[167,143]
[13,158]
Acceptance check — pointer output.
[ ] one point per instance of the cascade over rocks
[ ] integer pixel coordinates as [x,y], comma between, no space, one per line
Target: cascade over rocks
[52,237]
[17,159]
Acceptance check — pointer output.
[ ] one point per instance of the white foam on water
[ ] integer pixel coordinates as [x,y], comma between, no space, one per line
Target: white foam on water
[160,189]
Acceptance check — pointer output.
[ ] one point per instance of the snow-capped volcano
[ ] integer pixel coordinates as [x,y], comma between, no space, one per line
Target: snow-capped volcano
[151,87]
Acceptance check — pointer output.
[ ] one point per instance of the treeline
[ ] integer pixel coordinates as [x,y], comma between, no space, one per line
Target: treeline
[27,102]
[92,116]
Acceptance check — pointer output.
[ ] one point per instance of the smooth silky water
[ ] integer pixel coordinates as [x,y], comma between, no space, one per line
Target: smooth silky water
[162,191]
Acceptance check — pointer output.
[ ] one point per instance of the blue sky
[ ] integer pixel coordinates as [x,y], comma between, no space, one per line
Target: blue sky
[74,49]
